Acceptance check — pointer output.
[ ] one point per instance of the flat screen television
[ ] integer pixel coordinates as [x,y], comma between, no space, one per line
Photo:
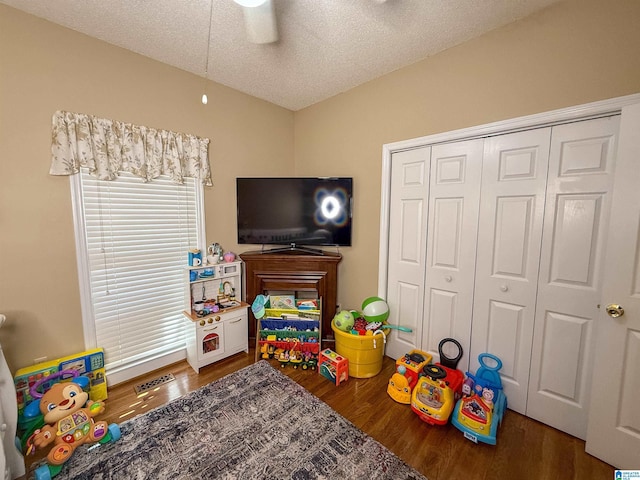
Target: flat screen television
[294,211]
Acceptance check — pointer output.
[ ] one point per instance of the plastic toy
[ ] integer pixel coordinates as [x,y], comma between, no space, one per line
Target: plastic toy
[344,320]
[309,362]
[333,367]
[439,386]
[408,370]
[375,309]
[375,312]
[68,414]
[89,364]
[432,399]
[86,367]
[258,306]
[295,357]
[479,412]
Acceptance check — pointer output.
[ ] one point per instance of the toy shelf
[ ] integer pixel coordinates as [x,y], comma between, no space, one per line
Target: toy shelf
[308,340]
[291,336]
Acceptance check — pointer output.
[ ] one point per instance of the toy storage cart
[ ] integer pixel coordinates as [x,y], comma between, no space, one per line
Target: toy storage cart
[364,352]
[290,332]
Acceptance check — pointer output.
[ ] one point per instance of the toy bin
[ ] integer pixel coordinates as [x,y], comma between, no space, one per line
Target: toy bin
[364,352]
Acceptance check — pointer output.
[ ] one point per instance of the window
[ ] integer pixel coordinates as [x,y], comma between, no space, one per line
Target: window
[132,243]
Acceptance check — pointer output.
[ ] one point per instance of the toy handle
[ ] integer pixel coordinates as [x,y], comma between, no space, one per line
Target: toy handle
[398,327]
[447,361]
[33,391]
[483,356]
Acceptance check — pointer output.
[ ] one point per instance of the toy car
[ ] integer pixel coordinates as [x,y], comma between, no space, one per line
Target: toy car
[479,413]
[408,369]
[434,396]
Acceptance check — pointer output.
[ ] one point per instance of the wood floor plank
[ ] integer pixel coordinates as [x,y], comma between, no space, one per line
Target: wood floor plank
[526,449]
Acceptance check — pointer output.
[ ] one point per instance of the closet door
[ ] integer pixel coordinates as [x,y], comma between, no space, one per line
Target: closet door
[578,200]
[454,198]
[614,421]
[408,207]
[514,180]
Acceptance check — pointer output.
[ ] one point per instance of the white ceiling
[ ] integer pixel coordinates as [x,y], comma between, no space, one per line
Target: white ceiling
[325,47]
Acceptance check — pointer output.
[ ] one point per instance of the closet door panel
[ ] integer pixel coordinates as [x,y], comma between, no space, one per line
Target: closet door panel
[512,236]
[407,247]
[578,196]
[454,195]
[505,324]
[614,417]
[514,180]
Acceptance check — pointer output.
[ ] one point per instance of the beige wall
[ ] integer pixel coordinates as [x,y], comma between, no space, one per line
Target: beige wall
[44,68]
[575,52]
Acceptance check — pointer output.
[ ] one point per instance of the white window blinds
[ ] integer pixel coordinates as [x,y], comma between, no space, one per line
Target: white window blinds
[137,236]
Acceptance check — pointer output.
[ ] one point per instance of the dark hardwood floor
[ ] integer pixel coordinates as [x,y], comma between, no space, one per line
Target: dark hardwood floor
[526,449]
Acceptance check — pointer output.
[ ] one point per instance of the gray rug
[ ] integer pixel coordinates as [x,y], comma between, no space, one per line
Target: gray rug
[253,424]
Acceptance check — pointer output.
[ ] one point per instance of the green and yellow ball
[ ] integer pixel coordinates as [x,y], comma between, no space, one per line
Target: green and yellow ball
[344,320]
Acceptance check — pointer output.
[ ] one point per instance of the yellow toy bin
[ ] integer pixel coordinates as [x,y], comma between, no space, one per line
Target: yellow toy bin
[364,352]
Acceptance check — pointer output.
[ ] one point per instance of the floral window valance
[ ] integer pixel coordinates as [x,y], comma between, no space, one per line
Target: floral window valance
[107,147]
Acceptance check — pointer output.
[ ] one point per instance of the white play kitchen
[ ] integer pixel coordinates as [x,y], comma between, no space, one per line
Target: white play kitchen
[215,316]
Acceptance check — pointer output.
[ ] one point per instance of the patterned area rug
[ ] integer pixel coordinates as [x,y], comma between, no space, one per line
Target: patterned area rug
[255,423]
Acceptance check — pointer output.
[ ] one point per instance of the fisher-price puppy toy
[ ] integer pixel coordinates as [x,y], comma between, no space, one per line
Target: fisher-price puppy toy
[68,415]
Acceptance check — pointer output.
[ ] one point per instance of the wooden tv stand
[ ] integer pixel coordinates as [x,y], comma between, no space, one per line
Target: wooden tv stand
[295,271]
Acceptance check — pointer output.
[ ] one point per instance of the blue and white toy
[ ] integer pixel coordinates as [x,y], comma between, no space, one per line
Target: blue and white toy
[479,412]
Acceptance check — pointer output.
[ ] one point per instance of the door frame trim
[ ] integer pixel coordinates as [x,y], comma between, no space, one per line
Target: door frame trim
[601,108]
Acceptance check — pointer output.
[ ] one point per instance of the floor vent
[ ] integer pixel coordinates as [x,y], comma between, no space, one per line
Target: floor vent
[151,384]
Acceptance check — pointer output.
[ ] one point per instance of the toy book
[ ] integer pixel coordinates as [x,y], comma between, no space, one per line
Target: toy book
[283,301]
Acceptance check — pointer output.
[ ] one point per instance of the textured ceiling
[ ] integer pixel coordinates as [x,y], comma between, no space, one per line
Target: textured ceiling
[325,47]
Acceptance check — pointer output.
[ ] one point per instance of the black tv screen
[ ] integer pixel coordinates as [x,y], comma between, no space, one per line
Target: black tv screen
[294,211]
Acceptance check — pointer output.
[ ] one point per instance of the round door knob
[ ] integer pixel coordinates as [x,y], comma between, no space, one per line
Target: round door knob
[614,310]
[210,320]
[448,278]
[504,288]
[202,324]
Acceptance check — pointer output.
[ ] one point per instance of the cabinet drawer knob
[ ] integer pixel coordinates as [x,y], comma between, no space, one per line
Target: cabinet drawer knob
[448,278]
[504,288]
